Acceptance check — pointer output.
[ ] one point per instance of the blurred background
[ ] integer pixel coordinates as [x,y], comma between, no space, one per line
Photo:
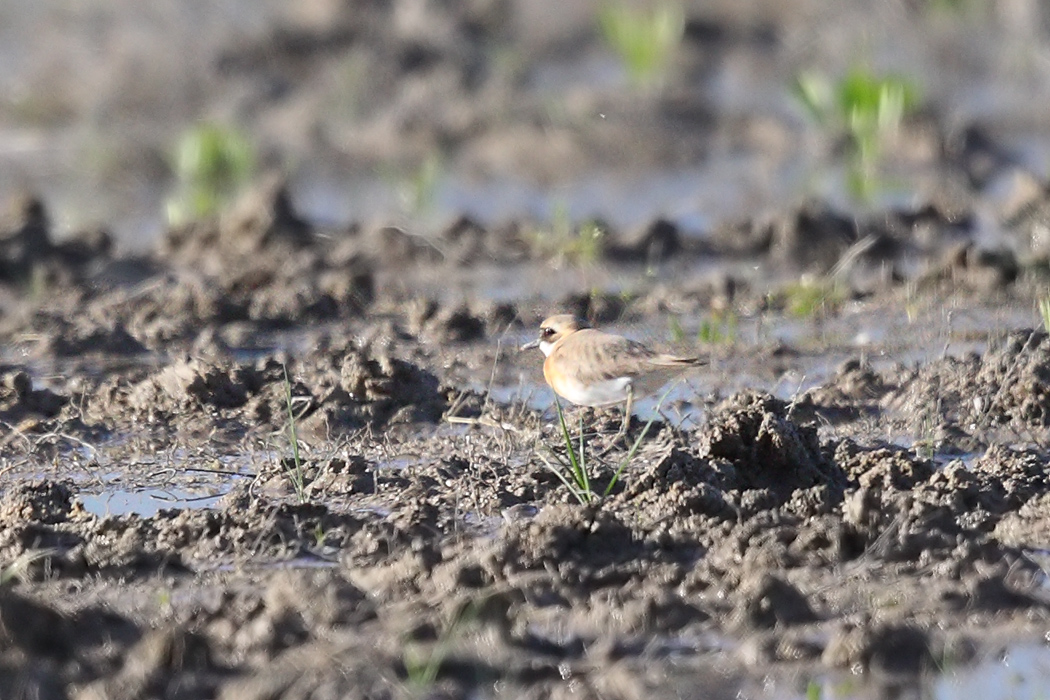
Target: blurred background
[134,116]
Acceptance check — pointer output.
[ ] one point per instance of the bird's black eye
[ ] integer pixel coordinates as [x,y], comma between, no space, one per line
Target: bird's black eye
[546,332]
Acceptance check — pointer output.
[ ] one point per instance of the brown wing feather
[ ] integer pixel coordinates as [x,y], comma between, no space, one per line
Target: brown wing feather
[632,358]
[675,361]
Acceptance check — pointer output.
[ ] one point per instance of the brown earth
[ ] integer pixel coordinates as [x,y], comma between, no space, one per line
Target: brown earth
[431,552]
[271,457]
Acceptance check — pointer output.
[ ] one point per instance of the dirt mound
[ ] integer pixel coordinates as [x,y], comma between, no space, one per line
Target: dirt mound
[86,337]
[269,264]
[853,392]
[882,467]
[1007,386]
[263,220]
[753,439]
[194,382]
[931,517]
[593,547]
[20,401]
[45,515]
[45,502]
[341,389]
[29,256]
[384,385]
[450,324]
[765,601]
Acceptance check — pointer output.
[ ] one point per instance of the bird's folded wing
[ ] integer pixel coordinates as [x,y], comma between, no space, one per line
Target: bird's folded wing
[606,357]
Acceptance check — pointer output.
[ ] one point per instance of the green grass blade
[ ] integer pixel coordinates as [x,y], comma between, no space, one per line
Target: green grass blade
[586,479]
[296,474]
[574,461]
[1044,311]
[573,488]
[634,448]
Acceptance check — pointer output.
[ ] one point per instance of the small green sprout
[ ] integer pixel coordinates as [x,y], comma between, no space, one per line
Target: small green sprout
[572,470]
[645,38]
[1044,311]
[295,471]
[720,328]
[212,164]
[868,108]
[810,297]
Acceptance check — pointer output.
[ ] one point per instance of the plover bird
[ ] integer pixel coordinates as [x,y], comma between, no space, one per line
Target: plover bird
[592,368]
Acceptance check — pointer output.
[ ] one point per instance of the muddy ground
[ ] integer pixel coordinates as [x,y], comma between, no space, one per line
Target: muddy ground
[275,456]
[807,507]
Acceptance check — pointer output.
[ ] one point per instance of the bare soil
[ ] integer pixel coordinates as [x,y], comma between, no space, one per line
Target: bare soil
[273,456]
[880,517]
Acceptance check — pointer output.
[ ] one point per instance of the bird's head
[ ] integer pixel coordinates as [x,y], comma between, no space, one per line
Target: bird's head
[554,329]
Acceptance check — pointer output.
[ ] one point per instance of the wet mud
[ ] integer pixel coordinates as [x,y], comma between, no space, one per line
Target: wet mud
[413,541]
[273,456]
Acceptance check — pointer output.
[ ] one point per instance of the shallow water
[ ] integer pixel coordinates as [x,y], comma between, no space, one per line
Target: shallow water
[1020,673]
[144,502]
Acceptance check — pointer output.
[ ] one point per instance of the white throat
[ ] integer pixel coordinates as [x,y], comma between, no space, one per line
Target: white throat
[546,347]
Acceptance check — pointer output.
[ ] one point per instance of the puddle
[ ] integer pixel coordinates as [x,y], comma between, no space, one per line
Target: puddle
[1020,673]
[1023,673]
[120,484]
[144,502]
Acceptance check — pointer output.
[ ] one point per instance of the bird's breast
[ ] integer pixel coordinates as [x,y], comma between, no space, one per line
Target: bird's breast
[568,385]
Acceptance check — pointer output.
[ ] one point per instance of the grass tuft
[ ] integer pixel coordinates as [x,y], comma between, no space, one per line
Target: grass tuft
[418,190]
[645,38]
[295,469]
[563,243]
[572,470]
[20,567]
[212,164]
[675,330]
[422,668]
[719,328]
[1044,311]
[866,107]
[809,297]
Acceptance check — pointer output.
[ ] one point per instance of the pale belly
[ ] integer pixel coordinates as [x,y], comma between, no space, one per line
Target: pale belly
[612,391]
[605,393]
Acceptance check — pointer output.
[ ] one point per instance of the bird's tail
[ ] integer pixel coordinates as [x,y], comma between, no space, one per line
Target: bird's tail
[673,361]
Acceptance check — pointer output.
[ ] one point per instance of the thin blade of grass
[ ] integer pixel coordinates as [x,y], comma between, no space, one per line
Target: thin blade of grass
[573,488]
[20,566]
[634,448]
[296,474]
[583,462]
[573,459]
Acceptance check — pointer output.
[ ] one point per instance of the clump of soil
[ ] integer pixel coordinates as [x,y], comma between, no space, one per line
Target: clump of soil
[29,256]
[20,401]
[1006,386]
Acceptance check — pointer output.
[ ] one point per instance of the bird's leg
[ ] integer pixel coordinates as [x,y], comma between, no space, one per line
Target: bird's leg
[628,408]
[628,405]
[626,416]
